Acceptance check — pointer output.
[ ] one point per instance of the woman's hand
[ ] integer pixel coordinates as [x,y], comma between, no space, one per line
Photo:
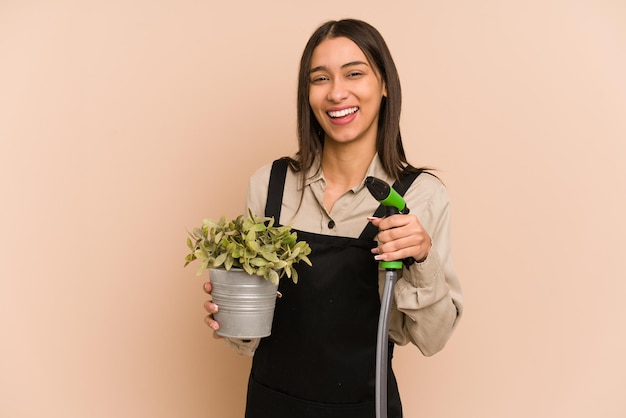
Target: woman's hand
[211,308]
[399,237]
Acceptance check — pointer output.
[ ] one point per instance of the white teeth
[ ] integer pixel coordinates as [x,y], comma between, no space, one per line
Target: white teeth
[342,113]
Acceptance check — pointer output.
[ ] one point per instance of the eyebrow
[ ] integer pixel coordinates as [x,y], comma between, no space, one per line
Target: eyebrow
[349,64]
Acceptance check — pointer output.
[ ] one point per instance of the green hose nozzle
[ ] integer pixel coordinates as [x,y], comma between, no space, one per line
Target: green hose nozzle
[393,203]
[385,194]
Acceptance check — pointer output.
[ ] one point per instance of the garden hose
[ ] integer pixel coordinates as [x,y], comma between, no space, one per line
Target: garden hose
[394,204]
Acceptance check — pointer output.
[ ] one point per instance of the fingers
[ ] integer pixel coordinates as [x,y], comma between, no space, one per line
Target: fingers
[212,309]
[207,287]
[394,221]
[400,236]
[374,220]
[402,248]
[397,223]
[398,227]
[213,324]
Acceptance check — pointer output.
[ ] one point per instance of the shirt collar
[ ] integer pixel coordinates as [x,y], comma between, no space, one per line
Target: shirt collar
[314,174]
[375,169]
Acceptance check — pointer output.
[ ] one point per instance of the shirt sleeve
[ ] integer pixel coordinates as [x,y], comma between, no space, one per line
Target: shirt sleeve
[427,296]
[257,190]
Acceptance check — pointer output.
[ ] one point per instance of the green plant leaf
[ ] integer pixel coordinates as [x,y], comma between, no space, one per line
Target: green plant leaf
[235,250]
[219,260]
[248,268]
[290,239]
[189,259]
[250,236]
[268,254]
[228,263]
[306,260]
[248,254]
[280,264]
[258,262]
[253,245]
[203,266]
[294,254]
[273,277]
[260,227]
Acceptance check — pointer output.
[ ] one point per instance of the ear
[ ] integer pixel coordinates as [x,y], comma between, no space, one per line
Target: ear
[384,89]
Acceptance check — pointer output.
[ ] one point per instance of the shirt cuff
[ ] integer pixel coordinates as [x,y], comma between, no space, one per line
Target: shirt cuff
[243,347]
[422,285]
[425,273]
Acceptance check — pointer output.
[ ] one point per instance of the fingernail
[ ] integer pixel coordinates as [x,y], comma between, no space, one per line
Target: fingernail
[371,218]
[378,257]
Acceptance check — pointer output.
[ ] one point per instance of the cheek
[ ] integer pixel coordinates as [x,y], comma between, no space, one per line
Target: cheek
[314,105]
[374,98]
[315,98]
[376,91]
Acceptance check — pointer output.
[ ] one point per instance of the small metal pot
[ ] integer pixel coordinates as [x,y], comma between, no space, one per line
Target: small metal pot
[246,303]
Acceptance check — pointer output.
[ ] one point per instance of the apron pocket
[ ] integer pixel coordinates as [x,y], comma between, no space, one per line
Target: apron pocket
[264,402]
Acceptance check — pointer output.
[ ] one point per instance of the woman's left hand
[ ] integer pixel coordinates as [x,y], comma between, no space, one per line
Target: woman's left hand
[399,237]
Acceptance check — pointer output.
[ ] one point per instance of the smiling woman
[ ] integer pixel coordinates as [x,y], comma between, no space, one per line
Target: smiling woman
[320,357]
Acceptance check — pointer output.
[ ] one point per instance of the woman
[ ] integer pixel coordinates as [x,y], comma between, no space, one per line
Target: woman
[320,359]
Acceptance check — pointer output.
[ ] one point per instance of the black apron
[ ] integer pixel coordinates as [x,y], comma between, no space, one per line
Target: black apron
[320,360]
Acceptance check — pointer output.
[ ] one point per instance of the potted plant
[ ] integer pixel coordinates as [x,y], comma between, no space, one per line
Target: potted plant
[246,257]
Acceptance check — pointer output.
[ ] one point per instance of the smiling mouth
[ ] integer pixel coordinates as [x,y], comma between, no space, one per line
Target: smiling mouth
[342,113]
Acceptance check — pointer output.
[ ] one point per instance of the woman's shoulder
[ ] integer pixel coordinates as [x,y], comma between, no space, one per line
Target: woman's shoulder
[428,178]
[258,186]
[427,187]
[262,173]
[259,179]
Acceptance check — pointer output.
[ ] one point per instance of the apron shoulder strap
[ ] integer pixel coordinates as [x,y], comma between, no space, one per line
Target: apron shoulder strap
[400,186]
[276,188]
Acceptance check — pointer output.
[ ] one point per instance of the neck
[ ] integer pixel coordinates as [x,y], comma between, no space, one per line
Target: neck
[345,166]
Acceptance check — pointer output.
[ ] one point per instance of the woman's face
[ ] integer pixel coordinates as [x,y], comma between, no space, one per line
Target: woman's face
[345,91]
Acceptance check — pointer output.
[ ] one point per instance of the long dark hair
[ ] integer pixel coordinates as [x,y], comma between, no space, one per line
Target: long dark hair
[310,134]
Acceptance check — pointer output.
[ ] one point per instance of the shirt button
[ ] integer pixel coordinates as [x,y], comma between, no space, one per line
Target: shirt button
[331,224]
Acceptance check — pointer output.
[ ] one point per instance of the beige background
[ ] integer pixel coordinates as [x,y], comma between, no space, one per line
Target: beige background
[120,125]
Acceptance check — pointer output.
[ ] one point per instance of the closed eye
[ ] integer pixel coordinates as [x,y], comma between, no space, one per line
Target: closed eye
[319,79]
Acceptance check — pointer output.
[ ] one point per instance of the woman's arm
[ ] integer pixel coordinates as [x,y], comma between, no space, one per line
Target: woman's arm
[428,296]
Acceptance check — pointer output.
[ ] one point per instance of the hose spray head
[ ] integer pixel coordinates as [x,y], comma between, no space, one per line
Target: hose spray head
[393,203]
[386,195]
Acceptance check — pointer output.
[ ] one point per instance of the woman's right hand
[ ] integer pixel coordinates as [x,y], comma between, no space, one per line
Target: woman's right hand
[211,308]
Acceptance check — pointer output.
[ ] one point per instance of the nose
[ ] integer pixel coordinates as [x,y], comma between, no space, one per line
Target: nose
[338,91]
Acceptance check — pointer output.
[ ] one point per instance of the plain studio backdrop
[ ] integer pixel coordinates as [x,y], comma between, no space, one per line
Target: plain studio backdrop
[124,123]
